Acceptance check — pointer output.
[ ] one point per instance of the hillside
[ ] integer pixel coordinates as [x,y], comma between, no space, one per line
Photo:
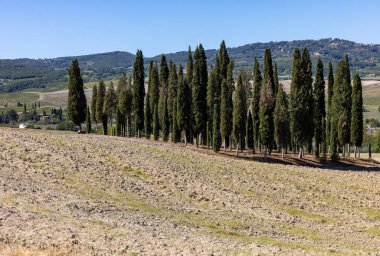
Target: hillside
[19,74]
[65,193]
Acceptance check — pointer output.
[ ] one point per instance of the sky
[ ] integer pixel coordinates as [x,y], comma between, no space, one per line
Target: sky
[55,28]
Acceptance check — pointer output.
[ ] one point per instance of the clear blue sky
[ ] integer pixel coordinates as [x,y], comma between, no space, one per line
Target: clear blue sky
[53,28]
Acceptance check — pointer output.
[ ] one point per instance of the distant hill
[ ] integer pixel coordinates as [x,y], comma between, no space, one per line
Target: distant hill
[20,74]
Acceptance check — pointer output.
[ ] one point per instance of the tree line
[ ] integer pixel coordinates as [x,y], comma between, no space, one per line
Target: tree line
[209,106]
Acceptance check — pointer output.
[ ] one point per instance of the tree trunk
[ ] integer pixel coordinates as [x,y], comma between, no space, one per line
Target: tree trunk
[282,152]
[359,152]
[344,151]
[300,155]
[369,151]
[80,127]
[230,139]
[237,149]
[355,150]
[185,139]
[224,144]
[349,149]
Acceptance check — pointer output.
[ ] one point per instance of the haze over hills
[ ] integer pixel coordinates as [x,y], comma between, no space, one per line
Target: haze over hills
[20,74]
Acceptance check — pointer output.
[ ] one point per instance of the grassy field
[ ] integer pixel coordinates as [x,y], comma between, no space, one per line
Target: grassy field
[98,195]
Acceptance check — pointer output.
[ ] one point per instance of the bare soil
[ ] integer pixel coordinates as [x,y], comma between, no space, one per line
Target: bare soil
[68,194]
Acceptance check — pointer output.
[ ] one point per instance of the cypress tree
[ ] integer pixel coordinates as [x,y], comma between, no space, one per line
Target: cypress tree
[120,109]
[268,78]
[199,92]
[76,103]
[155,87]
[172,93]
[164,86]
[165,122]
[281,120]
[224,60]
[357,114]
[341,102]
[189,67]
[211,100]
[124,104]
[266,119]
[249,131]
[183,105]
[239,113]
[147,118]
[330,91]
[110,103]
[307,94]
[231,88]
[275,77]
[319,108]
[216,139]
[138,93]
[257,81]
[101,117]
[156,130]
[93,103]
[189,98]
[225,113]
[88,121]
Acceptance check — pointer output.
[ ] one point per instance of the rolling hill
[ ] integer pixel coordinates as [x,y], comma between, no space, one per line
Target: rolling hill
[20,74]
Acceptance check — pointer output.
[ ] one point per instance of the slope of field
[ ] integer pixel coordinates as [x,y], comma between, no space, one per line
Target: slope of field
[97,195]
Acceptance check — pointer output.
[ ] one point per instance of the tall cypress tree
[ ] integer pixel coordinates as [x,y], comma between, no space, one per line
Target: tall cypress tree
[224,60]
[76,103]
[249,132]
[319,108]
[266,118]
[281,120]
[165,122]
[172,93]
[189,99]
[182,104]
[120,109]
[257,81]
[307,94]
[239,113]
[275,77]
[138,93]
[211,99]
[101,117]
[164,86]
[357,114]
[154,84]
[199,92]
[147,118]
[88,121]
[93,103]
[330,91]
[175,132]
[341,102]
[110,103]
[231,88]
[225,111]
[189,67]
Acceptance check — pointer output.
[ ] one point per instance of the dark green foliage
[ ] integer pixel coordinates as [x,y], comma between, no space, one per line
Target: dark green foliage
[341,102]
[164,86]
[223,59]
[330,92]
[124,104]
[165,122]
[110,103]
[268,78]
[172,94]
[211,98]
[154,86]
[281,120]
[156,130]
[189,67]
[357,112]
[138,93]
[147,118]
[175,132]
[249,131]
[275,77]
[199,93]
[88,121]
[319,107]
[101,117]
[216,138]
[183,104]
[225,112]
[93,103]
[76,103]
[239,113]
[257,81]
[266,128]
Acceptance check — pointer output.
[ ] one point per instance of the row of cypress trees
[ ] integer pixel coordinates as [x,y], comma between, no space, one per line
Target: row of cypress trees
[208,107]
